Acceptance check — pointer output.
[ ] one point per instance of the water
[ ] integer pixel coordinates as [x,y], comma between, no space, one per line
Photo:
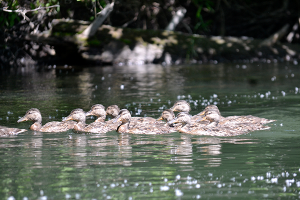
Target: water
[258,165]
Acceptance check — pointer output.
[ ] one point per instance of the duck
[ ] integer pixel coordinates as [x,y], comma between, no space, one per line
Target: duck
[168,115]
[210,108]
[97,110]
[124,116]
[6,131]
[79,116]
[114,110]
[181,106]
[236,119]
[184,106]
[35,116]
[213,126]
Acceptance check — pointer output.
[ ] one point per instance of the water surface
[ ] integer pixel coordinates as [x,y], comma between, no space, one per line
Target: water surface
[258,165]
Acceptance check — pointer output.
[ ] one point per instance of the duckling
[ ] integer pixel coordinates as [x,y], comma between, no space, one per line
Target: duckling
[181,106]
[35,116]
[236,119]
[210,108]
[243,124]
[79,116]
[214,128]
[5,131]
[168,115]
[114,110]
[184,106]
[140,128]
[97,110]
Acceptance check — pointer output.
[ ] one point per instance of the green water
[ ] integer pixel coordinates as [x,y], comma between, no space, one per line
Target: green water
[258,165]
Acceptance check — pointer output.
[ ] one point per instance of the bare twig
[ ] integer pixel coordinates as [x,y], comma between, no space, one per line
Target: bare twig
[133,20]
[24,11]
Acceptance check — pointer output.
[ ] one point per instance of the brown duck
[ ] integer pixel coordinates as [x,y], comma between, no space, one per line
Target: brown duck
[139,128]
[35,116]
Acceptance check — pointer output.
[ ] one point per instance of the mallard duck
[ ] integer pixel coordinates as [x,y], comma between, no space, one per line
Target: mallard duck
[97,110]
[79,116]
[168,115]
[139,128]
[181,106]
[5,131]
[35,116]
[213,128]
[114,110]
[235,119]
[184,106]
[210,108]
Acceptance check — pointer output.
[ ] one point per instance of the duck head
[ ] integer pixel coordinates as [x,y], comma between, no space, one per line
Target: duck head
[181,106]
[32,114]
[97,110]
[167,115]
[77,115]
[212,116]
[123,116]
[113,110]
[210,108]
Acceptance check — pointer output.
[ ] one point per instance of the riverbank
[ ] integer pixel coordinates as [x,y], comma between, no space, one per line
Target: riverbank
[113,45]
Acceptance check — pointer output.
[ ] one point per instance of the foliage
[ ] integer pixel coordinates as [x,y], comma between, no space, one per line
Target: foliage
[202,4]
[8,19]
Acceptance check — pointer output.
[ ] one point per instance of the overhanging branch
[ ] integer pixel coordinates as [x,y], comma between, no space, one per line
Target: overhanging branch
[24,11]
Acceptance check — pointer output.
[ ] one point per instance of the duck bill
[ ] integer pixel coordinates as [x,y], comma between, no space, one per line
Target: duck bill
[202,113]
[89,113]
[160,119]
[174,109]
[23,119]
[69,118]
[203,119]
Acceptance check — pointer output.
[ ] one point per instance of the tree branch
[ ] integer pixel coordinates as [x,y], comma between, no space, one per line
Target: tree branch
[24,11]
[177,17]
[92,28]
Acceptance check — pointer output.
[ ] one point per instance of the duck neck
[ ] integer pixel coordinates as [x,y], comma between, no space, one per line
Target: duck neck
[185,128]
[100,119]
[36,126]
[79,126]
[123,127]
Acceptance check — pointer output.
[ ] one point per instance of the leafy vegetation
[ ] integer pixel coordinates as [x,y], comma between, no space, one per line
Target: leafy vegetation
[207,17]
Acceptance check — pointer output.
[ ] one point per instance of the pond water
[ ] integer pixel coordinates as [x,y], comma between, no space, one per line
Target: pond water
[258,165]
